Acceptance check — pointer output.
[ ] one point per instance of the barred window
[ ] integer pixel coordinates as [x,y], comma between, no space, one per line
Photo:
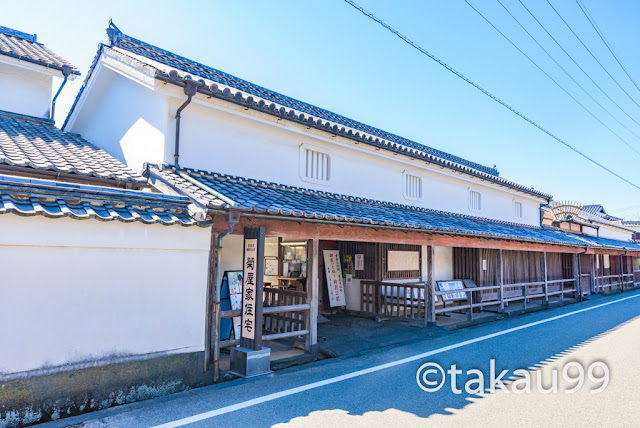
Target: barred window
[475,200]
[412,187]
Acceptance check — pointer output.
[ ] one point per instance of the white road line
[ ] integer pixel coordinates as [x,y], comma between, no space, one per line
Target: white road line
[313,385]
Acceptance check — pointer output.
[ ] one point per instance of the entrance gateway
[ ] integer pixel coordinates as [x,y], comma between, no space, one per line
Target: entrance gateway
[251,358]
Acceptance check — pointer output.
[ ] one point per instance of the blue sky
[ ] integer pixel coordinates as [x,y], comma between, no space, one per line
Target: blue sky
[328,54]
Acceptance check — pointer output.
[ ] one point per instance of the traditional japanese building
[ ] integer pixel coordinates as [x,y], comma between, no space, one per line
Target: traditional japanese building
[415,219]
[355,220]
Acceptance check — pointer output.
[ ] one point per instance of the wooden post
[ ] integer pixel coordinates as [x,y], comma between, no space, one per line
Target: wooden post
[576,275]
[252,305]
[500,281]
[593,273]
[313,281]
[598,278]
[211,338]
[431,287]
[621,272]
[546,279]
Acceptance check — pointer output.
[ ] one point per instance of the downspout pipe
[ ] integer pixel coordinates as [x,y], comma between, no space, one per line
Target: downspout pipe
[66,72]
[190,89]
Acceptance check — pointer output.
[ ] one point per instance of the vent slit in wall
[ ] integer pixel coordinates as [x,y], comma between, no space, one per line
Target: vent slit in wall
[317,166]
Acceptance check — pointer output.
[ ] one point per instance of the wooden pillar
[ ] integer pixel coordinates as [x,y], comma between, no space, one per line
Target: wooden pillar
[313,281]
[500,281]
[431,287]
[252,278]
[576,274]
[593,272]
[546,278]
[211,338]
[621,264]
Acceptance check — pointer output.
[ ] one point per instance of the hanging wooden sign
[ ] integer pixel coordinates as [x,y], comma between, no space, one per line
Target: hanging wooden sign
[334,277]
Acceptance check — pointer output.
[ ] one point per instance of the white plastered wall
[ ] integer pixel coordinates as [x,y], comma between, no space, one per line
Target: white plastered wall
[122,115]
[212,136]
[85,290]
[25,91]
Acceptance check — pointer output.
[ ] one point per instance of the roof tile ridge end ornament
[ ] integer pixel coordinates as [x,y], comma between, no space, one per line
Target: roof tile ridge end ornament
[114,34]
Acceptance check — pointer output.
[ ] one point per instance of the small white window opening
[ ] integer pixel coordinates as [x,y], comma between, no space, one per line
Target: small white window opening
[412,187]
[315,165]
[475,200]
[517,209]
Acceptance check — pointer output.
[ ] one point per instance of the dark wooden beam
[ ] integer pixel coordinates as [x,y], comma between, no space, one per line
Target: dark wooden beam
[312,230]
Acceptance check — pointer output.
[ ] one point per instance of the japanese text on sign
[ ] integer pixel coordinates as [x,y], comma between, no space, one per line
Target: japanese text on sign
[334,277]
[249,289]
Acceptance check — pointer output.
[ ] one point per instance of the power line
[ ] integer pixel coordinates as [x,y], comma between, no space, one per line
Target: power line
[584,10]
[481,89]
[576,63]
[552,79]
[590,53]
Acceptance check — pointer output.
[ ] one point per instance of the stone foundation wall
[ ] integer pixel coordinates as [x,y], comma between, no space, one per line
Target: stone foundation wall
[55,394]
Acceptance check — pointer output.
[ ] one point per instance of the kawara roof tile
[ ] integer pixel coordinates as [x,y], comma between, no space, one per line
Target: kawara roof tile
[257,196]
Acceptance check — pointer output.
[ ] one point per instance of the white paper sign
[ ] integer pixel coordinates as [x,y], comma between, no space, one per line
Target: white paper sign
[334,277]
[359,261]
[398,260]
[249,288]
[452,286]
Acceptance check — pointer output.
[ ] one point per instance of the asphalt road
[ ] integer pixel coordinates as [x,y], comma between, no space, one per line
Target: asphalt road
[380,387]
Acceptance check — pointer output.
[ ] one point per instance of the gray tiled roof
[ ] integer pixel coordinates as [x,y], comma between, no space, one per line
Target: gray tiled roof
[29,197]
[24,46]
[179,68]
[277,199]
[36,143]
[598,210]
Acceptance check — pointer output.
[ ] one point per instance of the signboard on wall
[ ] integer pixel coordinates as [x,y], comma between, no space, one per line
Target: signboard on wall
[359,261]
[399,260]
[334,277]
[271,266]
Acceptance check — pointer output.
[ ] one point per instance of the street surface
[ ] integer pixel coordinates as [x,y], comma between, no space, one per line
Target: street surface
[380,387]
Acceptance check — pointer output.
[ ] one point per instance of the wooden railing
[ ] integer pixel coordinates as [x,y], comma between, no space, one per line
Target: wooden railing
[284,315]
[540,289]
[473,299]
[284,321]
[416,302]
[607,282]
[392,300]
